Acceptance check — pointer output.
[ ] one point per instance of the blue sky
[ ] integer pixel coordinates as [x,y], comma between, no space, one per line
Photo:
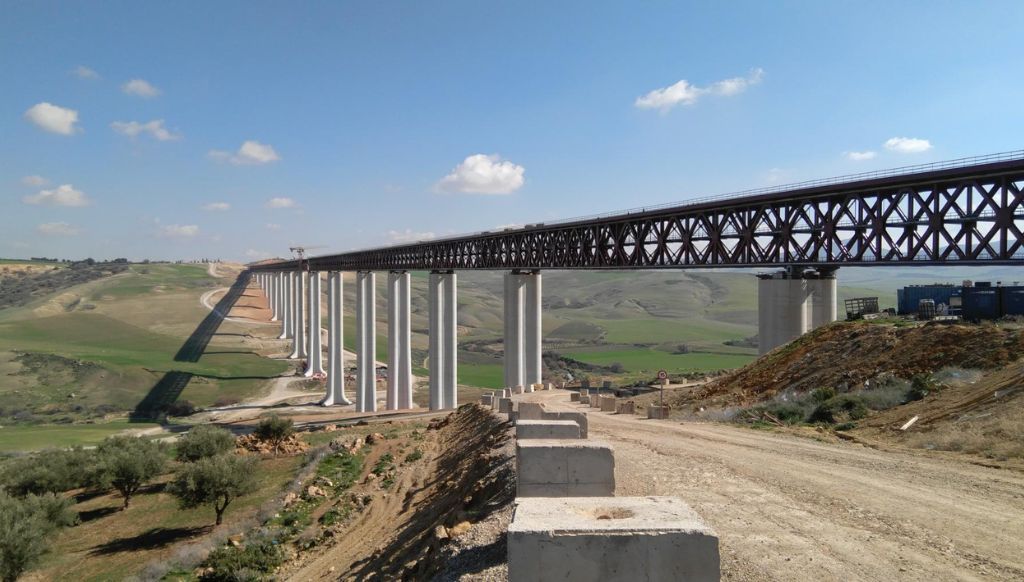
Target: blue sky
[126,128]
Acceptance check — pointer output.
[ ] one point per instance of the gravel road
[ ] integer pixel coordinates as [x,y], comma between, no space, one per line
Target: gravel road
[790,508]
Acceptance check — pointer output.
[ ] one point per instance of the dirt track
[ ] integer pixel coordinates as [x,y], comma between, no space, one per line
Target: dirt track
[788,508]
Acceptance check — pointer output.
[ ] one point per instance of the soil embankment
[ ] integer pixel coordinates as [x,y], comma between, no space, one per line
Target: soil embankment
[408,529]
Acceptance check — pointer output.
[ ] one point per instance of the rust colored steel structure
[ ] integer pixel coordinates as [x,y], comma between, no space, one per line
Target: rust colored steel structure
[961,215]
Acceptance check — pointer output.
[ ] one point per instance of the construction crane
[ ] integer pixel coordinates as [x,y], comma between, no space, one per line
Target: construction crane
[300,253]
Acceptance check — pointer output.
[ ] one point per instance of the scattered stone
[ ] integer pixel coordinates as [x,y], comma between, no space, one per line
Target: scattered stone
[441,532]
[249,443]
[375,437]
[459,529]
[314,491]
[289,499]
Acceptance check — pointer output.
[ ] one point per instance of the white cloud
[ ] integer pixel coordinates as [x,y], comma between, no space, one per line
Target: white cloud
[775,175]
[860,156]
[53,118]
[483,174]
[35,181]
[272,226]
[63,195]
[155,128]
[409,236]
[907,145]
[140,88]
[254,254]
[684,93]
[178,231]
[250,153]
[217,206]
[84,72]
[56,229]
[281,202]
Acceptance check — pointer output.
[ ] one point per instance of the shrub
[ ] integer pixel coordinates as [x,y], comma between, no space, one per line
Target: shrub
[275,430]
[127,463]
[414,456]
[787,412]
[232,564]
[838,409]
[51,471]
[215,481]
[204,441]
[26,524]
[920,386]
[823,394]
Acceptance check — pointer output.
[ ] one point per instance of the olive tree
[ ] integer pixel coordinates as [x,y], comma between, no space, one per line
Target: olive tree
[26,526]
[127,463]
[275,430]
[215,481]
[204,441]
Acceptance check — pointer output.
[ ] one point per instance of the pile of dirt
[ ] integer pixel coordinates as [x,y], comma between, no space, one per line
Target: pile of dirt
[843,356]
[250,443]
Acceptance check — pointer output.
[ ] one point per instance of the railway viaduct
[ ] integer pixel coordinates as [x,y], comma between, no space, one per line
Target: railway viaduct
[963,212]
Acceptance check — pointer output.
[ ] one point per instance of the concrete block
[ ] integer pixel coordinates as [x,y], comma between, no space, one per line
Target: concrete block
[531,411]
[616,539]
[584,399]
[517,389]
[608,403]
[549,386]
[628,407]
[576,468]
[580,418]
[528,389]
[574,397]
[506,393]
[546,429]
[658,411]
[486,399]
[595,401]
[505,405]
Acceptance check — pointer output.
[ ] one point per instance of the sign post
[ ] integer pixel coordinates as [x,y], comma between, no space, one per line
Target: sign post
[662,376]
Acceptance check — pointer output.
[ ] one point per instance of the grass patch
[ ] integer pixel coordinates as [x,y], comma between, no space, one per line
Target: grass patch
[648,360]
[482,375]
[36,437]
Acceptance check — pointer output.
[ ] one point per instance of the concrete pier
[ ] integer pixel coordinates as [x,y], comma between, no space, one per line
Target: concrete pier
[443,354]
[366,342]
[272,295]
[316,359]
[298,316]
[286,305]
[399,393]
[523,332]
[792,302]
[335,342]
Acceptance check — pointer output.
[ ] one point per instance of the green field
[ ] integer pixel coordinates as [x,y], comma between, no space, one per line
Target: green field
[482,375]
[649,361]
[35,437]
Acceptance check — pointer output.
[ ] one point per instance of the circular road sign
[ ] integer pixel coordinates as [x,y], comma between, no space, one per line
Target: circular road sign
[662,374]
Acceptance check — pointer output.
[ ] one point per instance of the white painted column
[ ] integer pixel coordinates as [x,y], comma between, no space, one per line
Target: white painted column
[366,345]
[514,372]
[335,342]
[399,394]
[450,337]
[533,333]
[436,347]
[286,305]
[316,361]
[298,316]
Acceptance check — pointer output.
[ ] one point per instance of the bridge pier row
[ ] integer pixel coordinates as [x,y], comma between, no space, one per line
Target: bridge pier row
[399,392]
[335,342]
[792,302]
[286,304]
[523,332]
[298,316]
[316,358]
[444,340]
[366,344]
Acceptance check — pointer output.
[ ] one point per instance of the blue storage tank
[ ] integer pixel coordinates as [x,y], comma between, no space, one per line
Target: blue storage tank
[981,303]
[908,298]
[1012,300]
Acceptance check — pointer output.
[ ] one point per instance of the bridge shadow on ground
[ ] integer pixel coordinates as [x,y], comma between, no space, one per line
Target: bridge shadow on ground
[196,343]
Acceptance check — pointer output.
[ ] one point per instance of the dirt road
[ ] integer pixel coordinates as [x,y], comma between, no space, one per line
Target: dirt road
[788,508]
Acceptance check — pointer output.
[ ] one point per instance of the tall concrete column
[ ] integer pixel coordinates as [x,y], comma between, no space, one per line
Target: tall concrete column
[316,361]
[366,345]
[298,316]
[532,329]
[825,289]
[443,323]
[287,332]
[335,342]
[272,282]
[514,297]
[399,394]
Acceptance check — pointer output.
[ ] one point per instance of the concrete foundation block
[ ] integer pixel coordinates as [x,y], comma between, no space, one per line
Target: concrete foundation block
[546,429]
[486,400]
[518,389]
[617,539]
[531,411]
[595,401]
[628,407]
[584,399]
[528,389]
[573,468]
[658,411]
[608,403]
[574,397]
[580,418]
[506,393]
[548,386]
[505,405]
